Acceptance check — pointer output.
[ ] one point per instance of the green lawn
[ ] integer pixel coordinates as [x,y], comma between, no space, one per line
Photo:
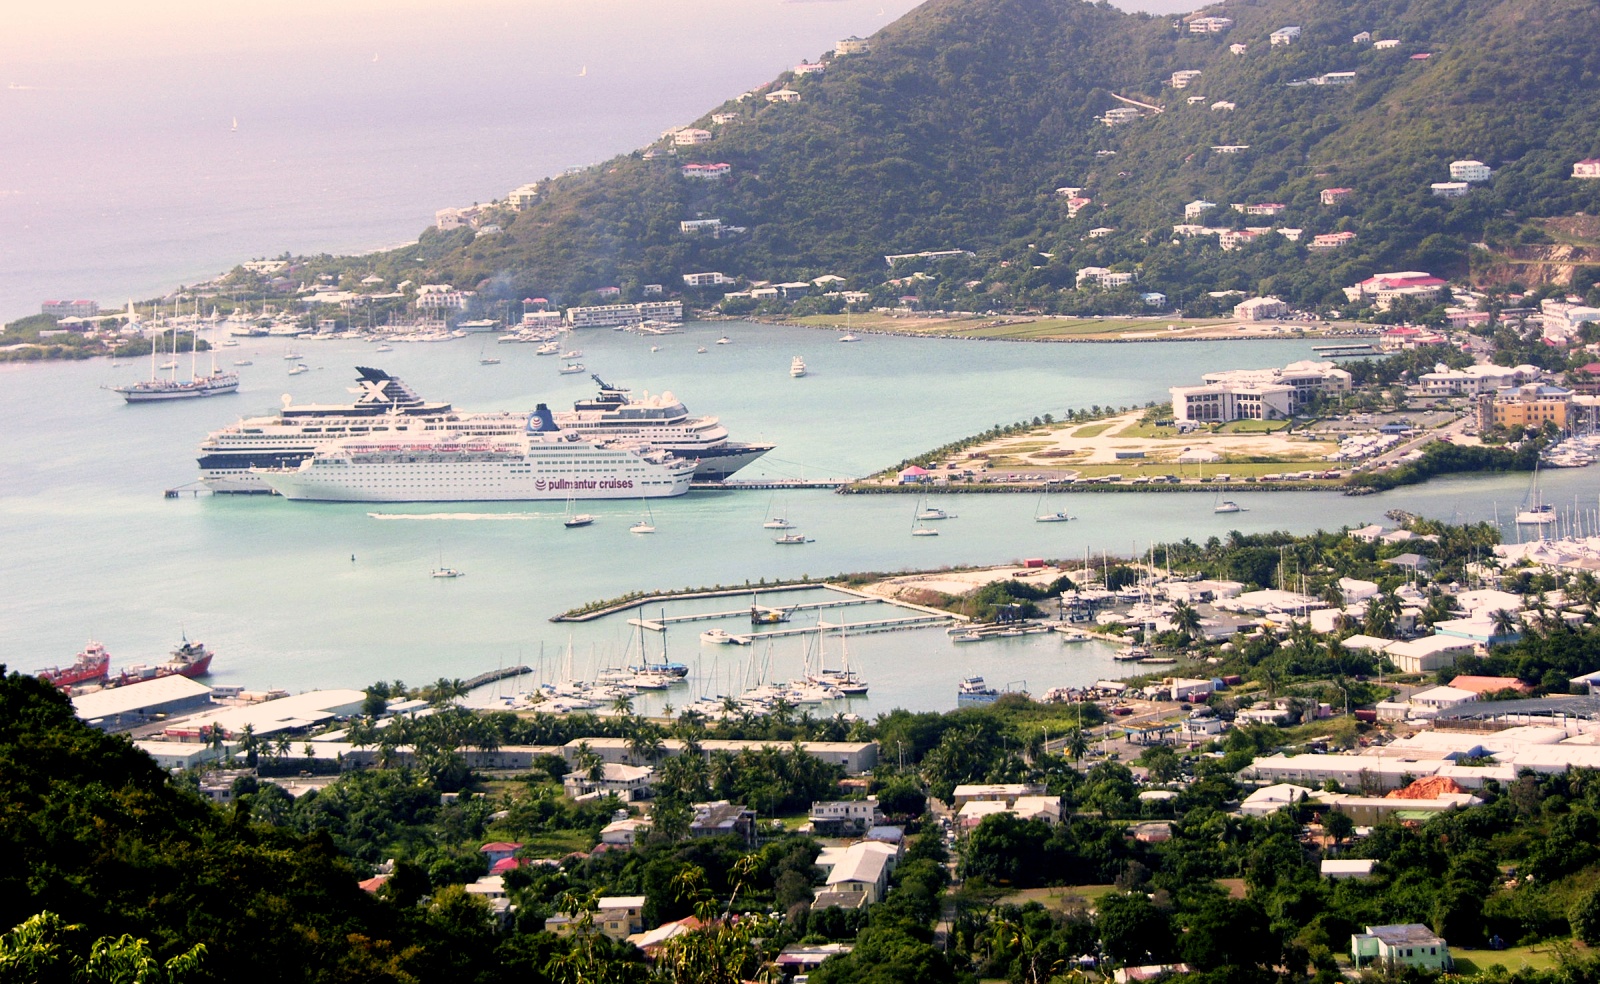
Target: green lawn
[1093,430]
[1056,898]
[557,843]
[1539,956]
[1253,426]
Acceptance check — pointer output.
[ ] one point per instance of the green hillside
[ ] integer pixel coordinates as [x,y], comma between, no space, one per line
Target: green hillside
[956,129]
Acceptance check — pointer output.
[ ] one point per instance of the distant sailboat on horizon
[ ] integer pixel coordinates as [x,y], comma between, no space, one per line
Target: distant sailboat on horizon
[236,124]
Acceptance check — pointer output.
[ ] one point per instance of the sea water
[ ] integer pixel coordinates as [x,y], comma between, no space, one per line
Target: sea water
[301,595]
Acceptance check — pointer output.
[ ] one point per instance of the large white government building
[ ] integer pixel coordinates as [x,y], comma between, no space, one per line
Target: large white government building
[1257,394]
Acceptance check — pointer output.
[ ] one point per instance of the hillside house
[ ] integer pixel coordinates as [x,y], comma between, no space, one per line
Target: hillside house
[1229,148]
[689,136]
[1120,115]
[1386,44]
[723,119]
[1197,208]
[1238,49]
[1469,171]
[706,172]
[1383,289]
[1076,205]
[1181,80]
[834,818]
[1331,240]
[1231,239]
[1223,106]
[1260,309]
[1587,169]
[852,45]
[1100,232]
[708,279]
[1284,35]
[1365,37]
[1106,278]
[1333,196]
[1264,208]
[810,68]
[1210,25]
[783,95]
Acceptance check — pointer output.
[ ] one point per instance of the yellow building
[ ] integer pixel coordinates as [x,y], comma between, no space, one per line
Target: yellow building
[1531,407]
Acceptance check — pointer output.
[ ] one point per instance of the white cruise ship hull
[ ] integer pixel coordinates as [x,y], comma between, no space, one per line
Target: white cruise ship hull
[513,480]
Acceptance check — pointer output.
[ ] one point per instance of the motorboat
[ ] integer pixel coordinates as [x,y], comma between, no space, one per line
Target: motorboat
[968,636]
[797,367]
[1227,506]
[847,337]
[297,370]
[572,354]
[548,348]
[973,691]
[1132,654]
[724,340]
[791,539]
[447,572]
[243,362]
[572,367]
[717,637]
[924,531]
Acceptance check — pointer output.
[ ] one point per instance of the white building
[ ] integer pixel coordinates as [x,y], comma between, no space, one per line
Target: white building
[1469,171]
[1119,115]
[1386,44]
[1210,25]
[1223,106]
[852,45]
[1476,380]
[700,225]
[710,279]
[441,297]
[1257,394]
[1197,208]
[1449,189]
[784,95]
[1587,169]
[1427,654]
[1284,35]
[523,196]
[689,136]
[1105,277]
[608,315]
[1260,309]
[1181,79]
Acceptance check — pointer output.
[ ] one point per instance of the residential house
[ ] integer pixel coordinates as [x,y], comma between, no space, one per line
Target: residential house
[1076,205]
[708,279]
[1197,208]
[852,45]
[1119,115]
[1264,208]
[1340,869]
[861,872]
[810,68]
[497,851]
[1331,240]
[1238,49]
[1333,196]
[1100,232]
[1229,148]
[1006,793]
[1435,652]
[706,172]
[625,832]
[722,819]
[1231,239]
[1210,25]
[1587,169]
[1181,79]
[833,818]
[689,136]
[1365,37]
[1153,299]
[1386,44]
[783,95]
[617,916]
[523,196]
[1105,277]
[1284,35]
[700,225]
[1223,106]
[1392,948]
[1270,799]
[1469,171]
[1449,189]
[723,119]
[626,782]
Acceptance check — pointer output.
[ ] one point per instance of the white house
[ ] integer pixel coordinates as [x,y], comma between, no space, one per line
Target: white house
[1284,35]
[783,95]
[852,45]
[689,136]
[709,279]
[1587,169]
[1469,171]
[1260,309]
[1386,44]
[1181,79]
[1449,189]
[1210,25]
[1197,208]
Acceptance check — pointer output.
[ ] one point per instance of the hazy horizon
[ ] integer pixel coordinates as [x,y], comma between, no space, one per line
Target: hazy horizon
[124,172]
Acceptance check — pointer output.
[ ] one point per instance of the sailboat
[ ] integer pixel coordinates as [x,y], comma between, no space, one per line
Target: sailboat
[1227,506]
[441,570]
[575,519]
[1538,512]
[645,525]
[844,679]
[780,522]
[927,512]
[484,359]
[1059,516]
[921,530]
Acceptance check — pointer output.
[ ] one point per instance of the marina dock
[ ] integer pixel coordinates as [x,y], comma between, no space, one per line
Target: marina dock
[660,624]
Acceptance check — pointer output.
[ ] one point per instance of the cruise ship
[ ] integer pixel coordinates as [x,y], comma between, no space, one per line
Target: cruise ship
[386,410]
[543,462]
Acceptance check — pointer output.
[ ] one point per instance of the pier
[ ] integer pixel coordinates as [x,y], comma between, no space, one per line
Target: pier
[501,674]
[757,485]
[1344,351]
[194,489]
[660,624]
[858,628]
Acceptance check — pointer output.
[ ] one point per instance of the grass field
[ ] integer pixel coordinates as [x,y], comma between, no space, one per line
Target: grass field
[1093,430]
[1056,898]
[1253,427]
[1539,956]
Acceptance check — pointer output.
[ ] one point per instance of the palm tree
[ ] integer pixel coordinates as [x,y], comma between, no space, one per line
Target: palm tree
[1077,744]
[1379,620]
[623,705]
[1186,620]
[1505,622]
[589,762]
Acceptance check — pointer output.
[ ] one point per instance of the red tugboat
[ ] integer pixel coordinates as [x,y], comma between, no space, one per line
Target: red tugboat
[190,659]
[91,665]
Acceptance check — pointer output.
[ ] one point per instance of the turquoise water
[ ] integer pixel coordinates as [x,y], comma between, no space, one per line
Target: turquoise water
[93,550]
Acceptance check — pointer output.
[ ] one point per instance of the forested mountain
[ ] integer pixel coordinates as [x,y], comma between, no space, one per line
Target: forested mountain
[959,125]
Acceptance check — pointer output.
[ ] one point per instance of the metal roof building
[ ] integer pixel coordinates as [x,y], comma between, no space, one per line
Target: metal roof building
[121,708]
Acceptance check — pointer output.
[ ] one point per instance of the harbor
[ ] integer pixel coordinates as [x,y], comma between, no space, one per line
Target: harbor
[253,575]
